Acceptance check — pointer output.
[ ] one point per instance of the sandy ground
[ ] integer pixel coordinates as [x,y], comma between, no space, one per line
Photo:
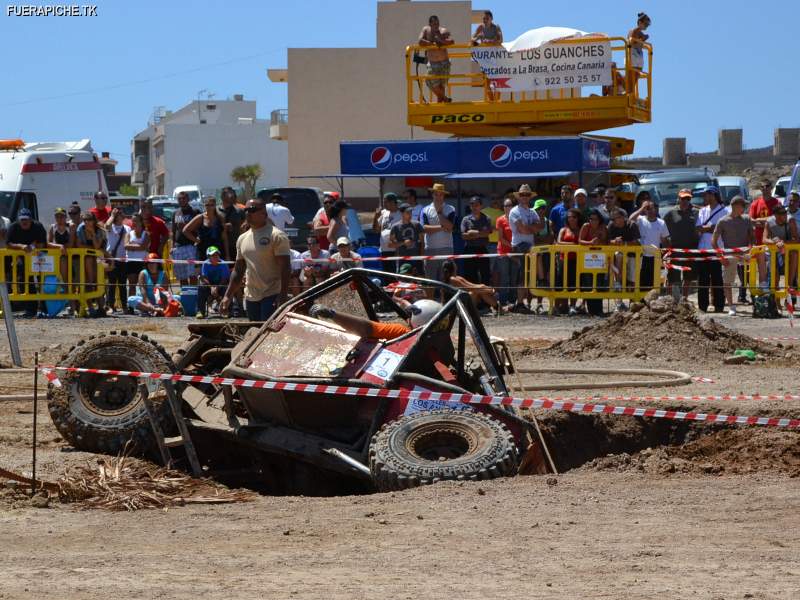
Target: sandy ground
[610,530]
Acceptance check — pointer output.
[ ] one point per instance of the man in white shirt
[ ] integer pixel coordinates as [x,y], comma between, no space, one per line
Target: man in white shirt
[653,233]
[524,224]
[709,272]
[438,221]
[385,218]
[280,216]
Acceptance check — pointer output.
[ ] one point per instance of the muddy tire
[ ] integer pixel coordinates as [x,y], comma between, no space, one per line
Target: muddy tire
[441,445]
[101,413]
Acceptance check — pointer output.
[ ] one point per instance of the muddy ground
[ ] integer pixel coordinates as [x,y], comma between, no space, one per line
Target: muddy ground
[644,509]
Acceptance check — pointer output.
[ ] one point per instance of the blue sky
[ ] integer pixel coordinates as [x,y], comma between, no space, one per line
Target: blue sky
[717,63]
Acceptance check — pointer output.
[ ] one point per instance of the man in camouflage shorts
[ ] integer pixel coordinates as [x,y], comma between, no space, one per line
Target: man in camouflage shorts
[438,60]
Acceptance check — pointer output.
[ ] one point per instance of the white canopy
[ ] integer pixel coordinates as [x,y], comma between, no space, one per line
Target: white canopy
[534,38]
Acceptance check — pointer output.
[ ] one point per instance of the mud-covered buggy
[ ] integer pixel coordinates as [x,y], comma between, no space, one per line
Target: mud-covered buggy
[298,442]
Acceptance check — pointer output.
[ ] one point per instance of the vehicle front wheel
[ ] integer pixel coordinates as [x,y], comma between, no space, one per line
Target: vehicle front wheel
[440,445]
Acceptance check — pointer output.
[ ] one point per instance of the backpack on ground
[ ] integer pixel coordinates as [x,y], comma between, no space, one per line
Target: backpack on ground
[765,307]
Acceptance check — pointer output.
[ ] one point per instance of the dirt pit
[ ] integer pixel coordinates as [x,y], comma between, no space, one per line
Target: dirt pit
[663,447]
[657,328]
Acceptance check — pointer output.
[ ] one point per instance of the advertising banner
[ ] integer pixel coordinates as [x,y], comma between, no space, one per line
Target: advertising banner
[547,67]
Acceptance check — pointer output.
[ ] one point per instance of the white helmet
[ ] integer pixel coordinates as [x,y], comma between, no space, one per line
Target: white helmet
[423,311]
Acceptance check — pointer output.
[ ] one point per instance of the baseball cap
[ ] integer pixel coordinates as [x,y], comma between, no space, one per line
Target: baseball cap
[390,196]
[153,256]
[405,268]
[24,214]
[212,250]
[711,189]
[343,241]
[60,211]
[580,191]
[404,206]
[685,193]
[540,202]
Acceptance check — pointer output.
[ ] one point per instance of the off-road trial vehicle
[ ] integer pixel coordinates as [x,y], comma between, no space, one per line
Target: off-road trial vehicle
[292,442]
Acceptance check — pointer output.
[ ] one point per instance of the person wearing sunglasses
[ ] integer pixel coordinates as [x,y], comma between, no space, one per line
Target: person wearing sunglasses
[262,265]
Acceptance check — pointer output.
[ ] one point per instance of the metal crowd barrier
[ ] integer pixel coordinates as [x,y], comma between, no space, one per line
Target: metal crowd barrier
[563,271]
[781,267]
[26,275]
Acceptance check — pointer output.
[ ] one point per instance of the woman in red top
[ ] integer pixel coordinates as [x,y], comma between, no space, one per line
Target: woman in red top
[569,235]
[506,267]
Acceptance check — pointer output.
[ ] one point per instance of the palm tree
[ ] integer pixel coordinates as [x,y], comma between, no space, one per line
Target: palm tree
[248,176]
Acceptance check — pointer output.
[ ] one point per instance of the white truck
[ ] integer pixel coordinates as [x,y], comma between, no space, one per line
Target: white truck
[42,176]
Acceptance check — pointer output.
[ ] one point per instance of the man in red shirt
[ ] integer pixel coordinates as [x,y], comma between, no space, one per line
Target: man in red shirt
[155,227]
[101,211]
[506,266]
[761,210]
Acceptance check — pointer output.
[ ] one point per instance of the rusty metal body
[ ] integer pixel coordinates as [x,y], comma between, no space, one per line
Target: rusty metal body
[288,438]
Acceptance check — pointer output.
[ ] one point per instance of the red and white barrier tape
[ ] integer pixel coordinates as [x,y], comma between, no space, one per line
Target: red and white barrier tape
[542,403]
[736,250]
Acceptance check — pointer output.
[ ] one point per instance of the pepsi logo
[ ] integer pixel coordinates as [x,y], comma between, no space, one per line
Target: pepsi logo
[381,158]
[500,155]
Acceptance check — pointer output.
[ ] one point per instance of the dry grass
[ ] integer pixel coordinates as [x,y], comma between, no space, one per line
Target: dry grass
[125,483]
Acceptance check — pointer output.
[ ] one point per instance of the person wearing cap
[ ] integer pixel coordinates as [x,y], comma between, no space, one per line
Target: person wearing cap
[438,222]
[558,214]
[581,199]
[100,210]
[654,235]
[262,265]
[382,222]
[214,278]
[316,267]
[151,278]
[709,272]
[734,230]
[280,216]
[27,235]
[406,236]
[475,231]
[344,258]
[524,224]
[681,225]
[781,230]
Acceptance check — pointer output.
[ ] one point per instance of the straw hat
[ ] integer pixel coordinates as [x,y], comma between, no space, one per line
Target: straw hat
[524,190]
[438,187]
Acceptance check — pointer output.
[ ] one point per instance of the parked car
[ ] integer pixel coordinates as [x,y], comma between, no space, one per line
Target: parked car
[665,185]
[781,188]
[304,204]
[193,191]
[165,208]
[733,186]
[794,183]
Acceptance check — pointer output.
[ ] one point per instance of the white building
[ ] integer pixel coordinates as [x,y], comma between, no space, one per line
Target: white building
[201,144]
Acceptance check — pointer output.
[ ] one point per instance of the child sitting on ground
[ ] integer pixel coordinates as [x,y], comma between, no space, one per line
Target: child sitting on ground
[214,277]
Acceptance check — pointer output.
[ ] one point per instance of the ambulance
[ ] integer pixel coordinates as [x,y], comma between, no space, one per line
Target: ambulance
[42,176]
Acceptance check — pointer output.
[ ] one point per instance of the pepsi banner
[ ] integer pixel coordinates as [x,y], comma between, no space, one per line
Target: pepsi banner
[474,155]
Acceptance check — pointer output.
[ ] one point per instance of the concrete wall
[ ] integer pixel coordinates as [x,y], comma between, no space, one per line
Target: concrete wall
[205,155]
[674,152]
[787,142]
[730,142]
[358,93]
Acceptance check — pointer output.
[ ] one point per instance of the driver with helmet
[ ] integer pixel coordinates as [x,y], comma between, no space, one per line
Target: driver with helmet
[420,312]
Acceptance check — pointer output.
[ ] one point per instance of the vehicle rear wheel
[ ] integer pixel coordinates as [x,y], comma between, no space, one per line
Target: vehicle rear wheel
[102,413]
[440,445]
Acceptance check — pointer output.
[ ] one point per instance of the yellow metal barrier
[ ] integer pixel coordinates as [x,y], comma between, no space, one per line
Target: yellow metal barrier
[487,112]
[563,271]
[25,273]
[781,267]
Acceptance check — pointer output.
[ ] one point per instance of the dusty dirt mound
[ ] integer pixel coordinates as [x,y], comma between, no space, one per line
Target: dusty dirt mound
[730,451]
[658,328]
